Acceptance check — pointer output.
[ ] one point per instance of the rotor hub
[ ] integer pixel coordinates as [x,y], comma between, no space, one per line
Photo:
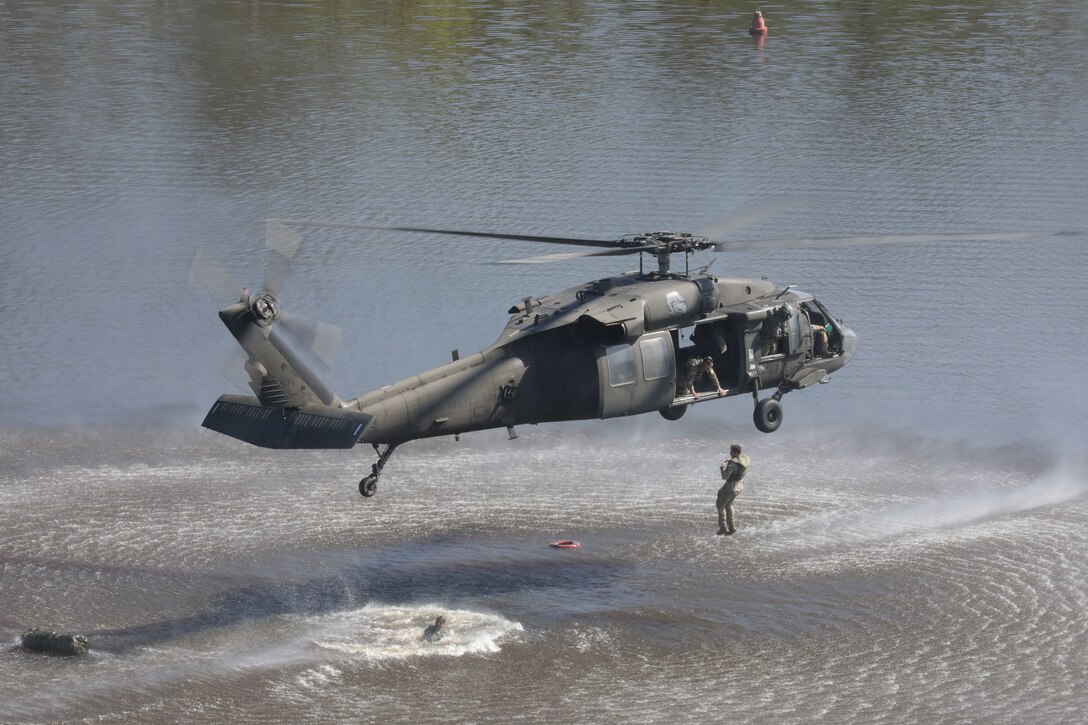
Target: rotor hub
[265,307]
[666,242]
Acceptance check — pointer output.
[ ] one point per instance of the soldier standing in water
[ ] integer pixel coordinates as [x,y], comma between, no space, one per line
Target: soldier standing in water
[733,472]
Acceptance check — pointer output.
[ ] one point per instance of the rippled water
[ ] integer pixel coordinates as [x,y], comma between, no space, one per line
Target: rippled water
[217,581]
[911,536]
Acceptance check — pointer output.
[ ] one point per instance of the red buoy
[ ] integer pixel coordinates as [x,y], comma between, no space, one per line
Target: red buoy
[758,27]
[564,544]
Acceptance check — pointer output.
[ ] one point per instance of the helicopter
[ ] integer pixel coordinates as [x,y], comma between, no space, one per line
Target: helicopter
[612,347]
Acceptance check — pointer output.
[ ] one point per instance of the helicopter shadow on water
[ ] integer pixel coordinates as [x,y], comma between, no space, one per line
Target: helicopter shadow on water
[394,579]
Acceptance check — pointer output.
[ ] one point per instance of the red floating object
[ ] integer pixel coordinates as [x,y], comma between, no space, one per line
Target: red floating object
[758,27]
[565,544]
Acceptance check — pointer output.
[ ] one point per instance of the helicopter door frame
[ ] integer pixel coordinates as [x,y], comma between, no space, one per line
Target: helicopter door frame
[794,336]
[834,335]
[636,377]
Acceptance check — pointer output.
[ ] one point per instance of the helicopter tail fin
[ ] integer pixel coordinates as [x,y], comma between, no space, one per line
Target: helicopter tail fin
[293,407]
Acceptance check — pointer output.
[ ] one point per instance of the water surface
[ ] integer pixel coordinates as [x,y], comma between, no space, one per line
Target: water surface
[910,534]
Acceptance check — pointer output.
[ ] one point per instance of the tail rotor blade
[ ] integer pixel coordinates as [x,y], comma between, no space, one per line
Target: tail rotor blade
[319,338]
[206,273]
[284,243]
[235,371]
[281,238]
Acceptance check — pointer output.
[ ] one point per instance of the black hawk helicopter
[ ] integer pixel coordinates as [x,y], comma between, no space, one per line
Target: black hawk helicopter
[603,349]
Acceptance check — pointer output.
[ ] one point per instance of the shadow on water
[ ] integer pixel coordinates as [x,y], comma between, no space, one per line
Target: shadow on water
[402,577]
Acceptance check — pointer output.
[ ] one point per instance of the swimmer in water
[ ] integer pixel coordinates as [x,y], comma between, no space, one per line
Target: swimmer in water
[435,632]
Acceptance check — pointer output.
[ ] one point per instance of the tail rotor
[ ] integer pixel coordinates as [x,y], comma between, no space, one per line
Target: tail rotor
[286,353]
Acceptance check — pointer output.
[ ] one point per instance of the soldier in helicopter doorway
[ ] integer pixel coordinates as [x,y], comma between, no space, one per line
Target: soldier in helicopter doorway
[694,369]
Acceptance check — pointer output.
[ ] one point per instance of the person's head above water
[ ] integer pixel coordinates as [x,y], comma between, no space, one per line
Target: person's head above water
[439,621]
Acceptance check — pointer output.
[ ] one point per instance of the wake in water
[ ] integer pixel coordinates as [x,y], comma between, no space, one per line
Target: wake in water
[380,632]
[319,646]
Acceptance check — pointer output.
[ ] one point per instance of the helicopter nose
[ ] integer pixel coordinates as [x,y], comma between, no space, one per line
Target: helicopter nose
[849,344]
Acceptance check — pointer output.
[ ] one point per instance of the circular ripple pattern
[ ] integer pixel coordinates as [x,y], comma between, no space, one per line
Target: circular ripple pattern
[209,575]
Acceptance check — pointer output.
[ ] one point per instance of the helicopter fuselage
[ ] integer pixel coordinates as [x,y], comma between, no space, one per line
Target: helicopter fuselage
[619,346]
[615,347]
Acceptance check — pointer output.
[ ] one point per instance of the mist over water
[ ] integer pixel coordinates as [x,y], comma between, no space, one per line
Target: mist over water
[910,539]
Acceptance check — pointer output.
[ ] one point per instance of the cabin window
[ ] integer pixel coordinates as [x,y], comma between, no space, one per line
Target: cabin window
[621,365]
[656,358]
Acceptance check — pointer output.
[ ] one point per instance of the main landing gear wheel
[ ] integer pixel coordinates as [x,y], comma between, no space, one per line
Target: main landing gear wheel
[368,486]
[673,412]
[768,415]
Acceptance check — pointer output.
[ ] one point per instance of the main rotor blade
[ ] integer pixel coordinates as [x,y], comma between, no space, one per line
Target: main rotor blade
[563,256]
[425,230]
[751,215]
[816,242]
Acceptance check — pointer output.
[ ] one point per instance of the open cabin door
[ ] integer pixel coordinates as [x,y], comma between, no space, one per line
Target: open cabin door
[636,377]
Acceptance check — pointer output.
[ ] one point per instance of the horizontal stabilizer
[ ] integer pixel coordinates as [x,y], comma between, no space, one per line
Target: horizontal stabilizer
[244,418]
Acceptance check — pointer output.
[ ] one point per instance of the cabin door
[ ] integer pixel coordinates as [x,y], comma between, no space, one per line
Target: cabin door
[637,377]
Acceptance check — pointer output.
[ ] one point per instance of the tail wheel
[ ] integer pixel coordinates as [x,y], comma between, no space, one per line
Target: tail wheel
[368,486]
[768,415]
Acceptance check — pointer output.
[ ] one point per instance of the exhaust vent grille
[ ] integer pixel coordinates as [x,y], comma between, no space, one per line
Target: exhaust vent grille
[272,394]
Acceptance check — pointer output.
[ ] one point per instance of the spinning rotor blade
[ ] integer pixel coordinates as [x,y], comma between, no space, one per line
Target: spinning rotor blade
[751,215]
[563,256]
[206,273]
[716,230]
[212,275]
[483,235]
[816,242]
[235,373]
[320,338]
[284,243]
[317,341]
[282,239]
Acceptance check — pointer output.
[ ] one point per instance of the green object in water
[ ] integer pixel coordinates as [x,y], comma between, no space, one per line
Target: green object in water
[69,645]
